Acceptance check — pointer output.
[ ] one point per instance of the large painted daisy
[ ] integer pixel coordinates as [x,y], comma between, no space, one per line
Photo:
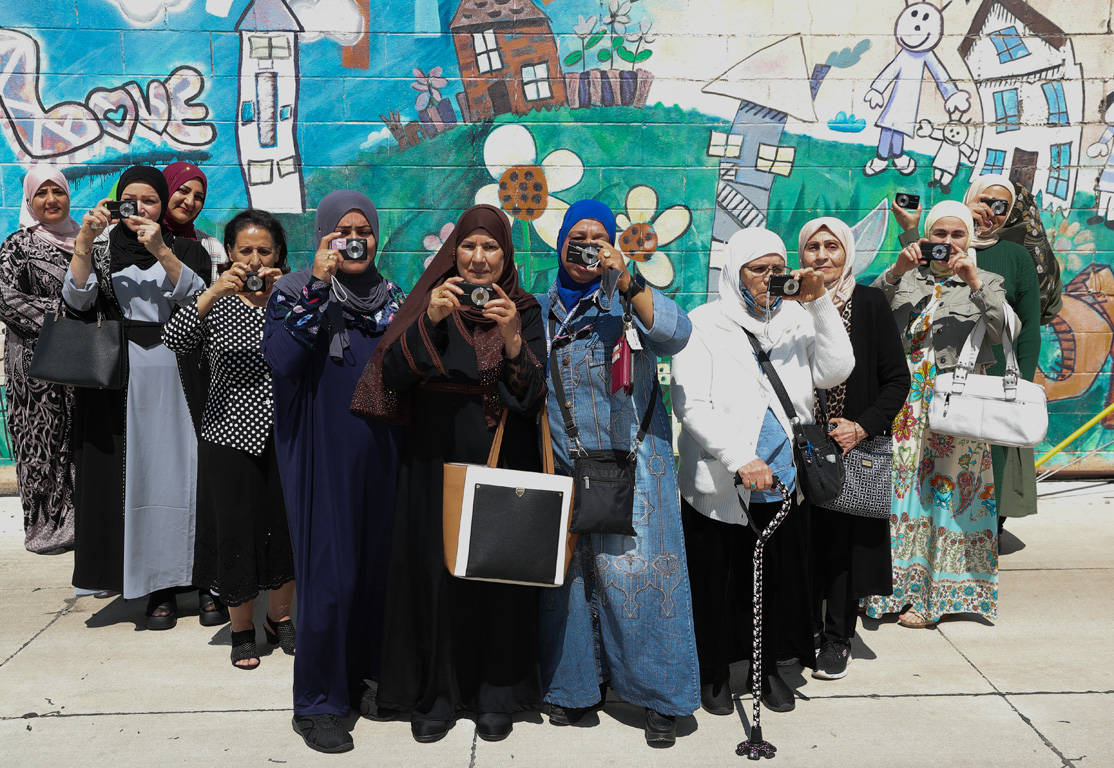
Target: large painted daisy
[642,231]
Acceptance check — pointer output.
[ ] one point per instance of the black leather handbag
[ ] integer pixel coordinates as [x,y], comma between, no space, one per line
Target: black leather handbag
[818,461]
[80,353]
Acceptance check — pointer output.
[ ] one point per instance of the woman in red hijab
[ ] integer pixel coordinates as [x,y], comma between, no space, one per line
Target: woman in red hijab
[188,190]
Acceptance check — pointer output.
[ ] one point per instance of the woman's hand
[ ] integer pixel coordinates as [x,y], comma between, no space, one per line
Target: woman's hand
[964,267]
[906,219]
[908,259]
[326,261]
[847,433]
[443,300]
[270,276]
[505,314]
[756,476]
[983,216]
[229,283]
[612,258]
[150,234]
[92,224]
[812,285]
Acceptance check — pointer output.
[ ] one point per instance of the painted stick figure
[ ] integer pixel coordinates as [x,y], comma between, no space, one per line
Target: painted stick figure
[955,147]
[1104,197]
[918,30]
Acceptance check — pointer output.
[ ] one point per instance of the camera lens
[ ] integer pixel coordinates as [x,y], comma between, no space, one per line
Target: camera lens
[355,250]
[792,287]
[253,283]
[480,296]
[902,200]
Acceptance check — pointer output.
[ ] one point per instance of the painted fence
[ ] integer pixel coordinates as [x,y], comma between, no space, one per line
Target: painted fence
[692,120]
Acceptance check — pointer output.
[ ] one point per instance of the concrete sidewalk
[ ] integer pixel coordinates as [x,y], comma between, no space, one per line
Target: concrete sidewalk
[83,684]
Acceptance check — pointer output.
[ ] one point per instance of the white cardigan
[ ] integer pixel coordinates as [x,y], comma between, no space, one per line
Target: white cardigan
[720,394]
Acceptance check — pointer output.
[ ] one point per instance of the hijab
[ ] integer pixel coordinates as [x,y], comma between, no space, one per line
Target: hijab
[845,284]
[176,175]
[373,398]
[60,235]
[953,209]
[123,244]
[977,188]
[570,291]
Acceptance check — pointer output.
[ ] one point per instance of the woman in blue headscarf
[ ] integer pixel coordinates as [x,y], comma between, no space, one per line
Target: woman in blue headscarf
[624,615]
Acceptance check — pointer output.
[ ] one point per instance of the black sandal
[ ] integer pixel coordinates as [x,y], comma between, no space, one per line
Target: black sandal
[166,600]
[281,634]
[211,612]
[243,648]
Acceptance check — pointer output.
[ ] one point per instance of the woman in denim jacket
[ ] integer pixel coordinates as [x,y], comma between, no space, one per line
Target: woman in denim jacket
[624,615]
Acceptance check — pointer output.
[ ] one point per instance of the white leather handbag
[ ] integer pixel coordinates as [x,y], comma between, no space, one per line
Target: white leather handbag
[1002,410]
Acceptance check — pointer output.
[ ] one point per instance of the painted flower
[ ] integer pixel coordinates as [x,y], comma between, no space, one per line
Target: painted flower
[585,28]
[619,15]
[1073,244]
[643,230]
[433,242]
[643,34]
[429,86]
[523,187]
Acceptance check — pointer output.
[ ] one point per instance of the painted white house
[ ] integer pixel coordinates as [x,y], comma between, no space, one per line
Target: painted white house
[1031,90]
[267,112]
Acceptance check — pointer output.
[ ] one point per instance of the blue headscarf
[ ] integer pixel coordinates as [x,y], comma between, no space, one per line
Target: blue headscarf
[570,290]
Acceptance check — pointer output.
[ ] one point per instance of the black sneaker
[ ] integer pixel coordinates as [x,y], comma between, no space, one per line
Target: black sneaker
[323,733]
[716,699]
[661,730]
[831,663]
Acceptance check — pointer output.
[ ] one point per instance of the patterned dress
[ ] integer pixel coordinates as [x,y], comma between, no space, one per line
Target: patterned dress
[943,520]
[39,414]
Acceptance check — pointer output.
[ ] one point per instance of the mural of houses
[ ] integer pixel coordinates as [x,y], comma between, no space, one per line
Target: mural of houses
[508,59]
[266,122]
[1028,79]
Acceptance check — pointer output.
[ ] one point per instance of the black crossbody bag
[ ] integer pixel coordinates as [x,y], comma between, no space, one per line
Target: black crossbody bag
[819,464]
[603,480]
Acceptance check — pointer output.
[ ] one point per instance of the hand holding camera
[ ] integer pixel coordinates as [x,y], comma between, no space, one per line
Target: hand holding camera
[150,234]
[803,285]
[597,256]
[906,209]
[327,260]
[350,248]
[985,211]
[444,299]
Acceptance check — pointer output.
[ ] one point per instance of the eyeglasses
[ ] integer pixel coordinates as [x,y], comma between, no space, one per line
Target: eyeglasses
[763,271]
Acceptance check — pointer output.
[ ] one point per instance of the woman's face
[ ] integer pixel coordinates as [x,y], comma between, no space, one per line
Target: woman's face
[186,202]
[254,247]
[756,276]
[355,225]
[51,203]
[997,192]
[950,230]
[585,230]
[825,253]
[150,207]
[479,257]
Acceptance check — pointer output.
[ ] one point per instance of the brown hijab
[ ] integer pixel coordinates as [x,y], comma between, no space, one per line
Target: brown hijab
[373,397]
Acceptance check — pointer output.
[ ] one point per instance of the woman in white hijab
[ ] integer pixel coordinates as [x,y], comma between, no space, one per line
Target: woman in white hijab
[33,262]
[732,425]
[851,553]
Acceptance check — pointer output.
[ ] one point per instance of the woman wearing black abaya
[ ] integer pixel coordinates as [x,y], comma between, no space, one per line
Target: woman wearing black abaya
[449,371]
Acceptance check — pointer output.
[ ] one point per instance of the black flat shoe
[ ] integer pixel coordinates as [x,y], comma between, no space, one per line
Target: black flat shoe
[281,634]
[777,695]
[565,715]
[429,731]
[211,612]
[165,600]
[493,726]
[716,698]
[323,733]
[243,648]
[661,730]
[369,708]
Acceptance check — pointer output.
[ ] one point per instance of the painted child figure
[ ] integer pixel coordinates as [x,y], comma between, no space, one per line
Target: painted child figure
[1104,192]
[955,148]
[918,30]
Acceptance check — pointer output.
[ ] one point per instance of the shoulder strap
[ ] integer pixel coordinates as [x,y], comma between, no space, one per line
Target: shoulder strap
[775,381]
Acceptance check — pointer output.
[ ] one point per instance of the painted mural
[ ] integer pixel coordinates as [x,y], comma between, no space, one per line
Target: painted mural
[681,116]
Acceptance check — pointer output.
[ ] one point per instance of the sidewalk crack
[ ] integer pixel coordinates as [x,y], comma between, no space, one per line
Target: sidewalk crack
[57,615]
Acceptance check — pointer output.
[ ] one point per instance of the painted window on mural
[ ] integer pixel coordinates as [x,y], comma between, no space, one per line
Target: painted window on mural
[266,89]
[1008,44]
[535,82]
[487,51]
[995,161]
[247,112]
[269,47]
[286,166]
[722,144]
[1006,112]
[1059,170]
[774,159]
[259,172]
[1057,104]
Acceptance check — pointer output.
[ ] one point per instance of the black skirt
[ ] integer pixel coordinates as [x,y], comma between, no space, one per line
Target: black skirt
[242,542]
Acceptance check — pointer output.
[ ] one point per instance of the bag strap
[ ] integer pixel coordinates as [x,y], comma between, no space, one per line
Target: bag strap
[547,442]
[775,380]
[570,424]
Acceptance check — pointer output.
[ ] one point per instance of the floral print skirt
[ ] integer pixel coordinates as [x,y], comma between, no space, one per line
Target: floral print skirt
[943,519]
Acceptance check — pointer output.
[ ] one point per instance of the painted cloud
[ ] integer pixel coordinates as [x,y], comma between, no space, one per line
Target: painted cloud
[338,20]
[146,11]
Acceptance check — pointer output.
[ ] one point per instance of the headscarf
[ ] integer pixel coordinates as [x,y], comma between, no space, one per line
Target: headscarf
[124,246]
[176,175]
[953,209]
[63,233]
[745,246]
[843,286]
[570,291]
[373,398]
[979,186]
[363,293]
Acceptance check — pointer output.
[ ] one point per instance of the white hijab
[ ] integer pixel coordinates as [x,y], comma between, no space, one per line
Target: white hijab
[957,210]
[978,186]
[841,291]
[745,246]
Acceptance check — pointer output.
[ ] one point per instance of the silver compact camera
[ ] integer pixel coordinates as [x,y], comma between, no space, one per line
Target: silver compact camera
[476,295]
[784,285]
[351,249]
[253,283]
[122,209]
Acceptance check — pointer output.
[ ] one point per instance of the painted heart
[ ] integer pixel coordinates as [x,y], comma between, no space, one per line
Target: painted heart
[116,116]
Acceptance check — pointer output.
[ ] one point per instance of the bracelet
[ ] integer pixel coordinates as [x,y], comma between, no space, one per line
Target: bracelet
[890,277]
[82,253]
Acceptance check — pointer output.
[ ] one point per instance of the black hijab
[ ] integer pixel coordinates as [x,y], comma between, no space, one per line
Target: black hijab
[123,244]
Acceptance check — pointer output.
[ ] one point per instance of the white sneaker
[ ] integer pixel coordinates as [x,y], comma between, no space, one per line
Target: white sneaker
[875,166]
[905,165]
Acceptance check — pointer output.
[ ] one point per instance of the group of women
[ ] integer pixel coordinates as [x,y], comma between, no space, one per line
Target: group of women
[301,429]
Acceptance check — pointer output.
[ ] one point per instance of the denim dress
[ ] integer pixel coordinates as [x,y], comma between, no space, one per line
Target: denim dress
[624,614]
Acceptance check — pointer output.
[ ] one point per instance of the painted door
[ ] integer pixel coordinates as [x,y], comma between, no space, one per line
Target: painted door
[1024,168]
[500,97]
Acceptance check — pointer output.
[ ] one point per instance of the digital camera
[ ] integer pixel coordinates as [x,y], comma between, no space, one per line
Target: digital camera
[122,209]
[253,282]
[997,207]
[935,252]
[907,201]
[476,295]
[584,254]
[784,285]
[351,249]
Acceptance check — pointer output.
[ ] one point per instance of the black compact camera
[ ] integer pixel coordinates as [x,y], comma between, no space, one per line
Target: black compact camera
[253,282]
[784,285]
[475,295]
[584,254]
[907,201]
[997,207]
[351,249]
[935,252]
[122,209]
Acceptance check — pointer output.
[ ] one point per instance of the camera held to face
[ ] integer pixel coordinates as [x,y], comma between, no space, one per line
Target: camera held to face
[583,254]
[122,209]
[907,201]
[997,207]
[351,249]
[253,282]
[784,285]
[476,295]
[935,252]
